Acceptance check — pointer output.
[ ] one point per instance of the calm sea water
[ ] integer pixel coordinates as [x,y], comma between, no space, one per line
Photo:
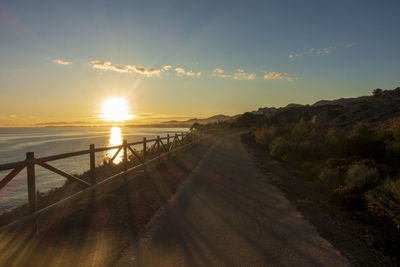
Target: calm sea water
[15,142]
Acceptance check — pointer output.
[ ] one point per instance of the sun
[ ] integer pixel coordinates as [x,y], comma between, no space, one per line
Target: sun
[115,109]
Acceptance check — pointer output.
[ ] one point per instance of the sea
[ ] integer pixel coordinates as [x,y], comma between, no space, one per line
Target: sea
[47,141]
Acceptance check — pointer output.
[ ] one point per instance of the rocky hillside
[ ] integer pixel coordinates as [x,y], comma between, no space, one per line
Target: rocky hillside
[381,109]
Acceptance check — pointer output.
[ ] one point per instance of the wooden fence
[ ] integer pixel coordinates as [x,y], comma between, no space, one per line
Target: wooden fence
[152,150]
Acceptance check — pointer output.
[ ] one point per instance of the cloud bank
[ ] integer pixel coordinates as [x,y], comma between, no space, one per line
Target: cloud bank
[239,74]
[108,66]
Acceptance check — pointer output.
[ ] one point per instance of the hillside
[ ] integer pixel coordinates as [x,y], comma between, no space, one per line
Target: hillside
[380,110]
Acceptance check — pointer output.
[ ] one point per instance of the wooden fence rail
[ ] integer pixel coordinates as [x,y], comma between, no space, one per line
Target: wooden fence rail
[148,154]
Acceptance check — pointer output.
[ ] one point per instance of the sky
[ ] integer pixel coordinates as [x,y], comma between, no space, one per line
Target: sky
[60,60]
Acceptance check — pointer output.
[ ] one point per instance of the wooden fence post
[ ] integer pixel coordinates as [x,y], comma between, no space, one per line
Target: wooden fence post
[125,148]
[92,165]
[158,144]
[182,138]
[168,142]
[176,140]
[30,170]
[144,150]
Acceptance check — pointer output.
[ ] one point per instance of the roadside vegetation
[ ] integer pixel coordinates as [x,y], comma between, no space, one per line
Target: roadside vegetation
[349,149]
[357,170]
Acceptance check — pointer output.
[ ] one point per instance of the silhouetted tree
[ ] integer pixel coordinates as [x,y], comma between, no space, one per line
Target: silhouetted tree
[377,92]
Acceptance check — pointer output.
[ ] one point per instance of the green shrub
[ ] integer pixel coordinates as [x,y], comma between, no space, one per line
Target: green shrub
[281,148]
[384,201]
[309,149]
[302,131]
[366,143]
[359,178]
[334,141]
[362,176]
[265,135]
[331,177]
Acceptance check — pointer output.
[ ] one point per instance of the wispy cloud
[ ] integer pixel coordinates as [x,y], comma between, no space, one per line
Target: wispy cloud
[239,74]
[182,72]
[274,75]
[321,51]
[349,45]
[61,62]
[314,51]
[295,55]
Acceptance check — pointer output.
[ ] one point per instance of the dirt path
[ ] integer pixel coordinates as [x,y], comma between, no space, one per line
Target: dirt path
[228,214]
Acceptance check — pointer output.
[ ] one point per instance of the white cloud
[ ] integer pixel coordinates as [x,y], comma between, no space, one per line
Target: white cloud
[182,72]
[241,74]
[147,72]
[274,75]
[220,73]
[61,62]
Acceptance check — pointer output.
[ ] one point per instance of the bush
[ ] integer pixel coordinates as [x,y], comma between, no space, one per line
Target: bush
[331,178]
[310,150]
[334,142]
[265,135]
[281,148]
[366,143]
[362,176]
[377,92]
[303,131]
[359,178]
[384,201]
[310,170]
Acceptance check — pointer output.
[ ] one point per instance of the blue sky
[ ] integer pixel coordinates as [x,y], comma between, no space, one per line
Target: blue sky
[285,51]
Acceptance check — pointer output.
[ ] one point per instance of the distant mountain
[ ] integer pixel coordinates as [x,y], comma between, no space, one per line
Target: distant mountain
[189,122]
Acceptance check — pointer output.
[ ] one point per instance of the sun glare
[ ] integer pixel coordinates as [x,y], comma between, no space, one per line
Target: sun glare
[115,109]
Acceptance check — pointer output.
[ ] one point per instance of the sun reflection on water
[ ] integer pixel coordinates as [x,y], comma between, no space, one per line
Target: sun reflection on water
[115,140]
